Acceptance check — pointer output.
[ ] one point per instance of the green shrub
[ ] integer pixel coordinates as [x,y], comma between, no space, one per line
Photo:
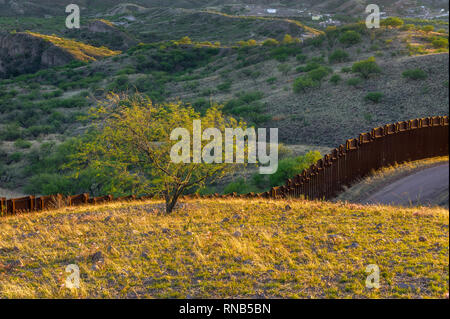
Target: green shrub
[366,67]
[408,27]
[224,87]
[289,167]
[335,79]
[284,68]
[15,157]
[354,81]
[350,37]
[428,28]
[392,22]
[346,69]
[374,96]
[239,186]
[415,74]
[20,143]
[338,56]
[271,42]
[301,57]
[271,80]
[319,73]
[310,66]
[303,83]
[282,53]
[440,43]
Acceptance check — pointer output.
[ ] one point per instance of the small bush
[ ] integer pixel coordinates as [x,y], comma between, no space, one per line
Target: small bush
[354,81]
[338,56]
[350,37]
[335,79]
[440,43]
[374,96]
[301,57]
[415,74]
[392,22]
[319,74]
[303,83]
[224,87]
[20,143]
[428,28]
[310,66]
[271,80]
[366,67]
[271,42]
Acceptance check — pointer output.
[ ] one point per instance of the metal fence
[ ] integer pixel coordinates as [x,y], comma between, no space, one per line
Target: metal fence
[383,146]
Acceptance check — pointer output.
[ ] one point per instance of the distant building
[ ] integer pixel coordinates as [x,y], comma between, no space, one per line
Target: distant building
[317,17]
[272,11]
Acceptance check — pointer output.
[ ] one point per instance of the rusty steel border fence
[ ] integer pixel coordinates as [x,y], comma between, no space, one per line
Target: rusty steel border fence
[383,146]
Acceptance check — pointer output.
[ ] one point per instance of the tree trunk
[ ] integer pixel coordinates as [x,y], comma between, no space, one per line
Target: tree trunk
[171,201]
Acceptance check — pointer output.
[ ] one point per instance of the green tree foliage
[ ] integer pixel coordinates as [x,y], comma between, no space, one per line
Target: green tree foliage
[366,67]
[374,97]
[350,37]
[291,166]
[440,43]
[392,22]
[303,83]
[338,56]
[428,28]
[131,136]
[415,74]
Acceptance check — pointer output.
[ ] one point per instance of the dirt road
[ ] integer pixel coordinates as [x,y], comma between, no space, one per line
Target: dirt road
[426,187]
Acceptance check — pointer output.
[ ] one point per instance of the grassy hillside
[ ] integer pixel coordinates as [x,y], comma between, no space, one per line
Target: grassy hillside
[80,51]
[228,248]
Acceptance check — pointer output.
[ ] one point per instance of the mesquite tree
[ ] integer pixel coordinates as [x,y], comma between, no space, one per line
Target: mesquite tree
[132,136]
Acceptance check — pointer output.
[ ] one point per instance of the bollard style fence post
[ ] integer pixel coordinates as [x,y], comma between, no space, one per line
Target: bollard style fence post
[383,146]
[393,143]
[2,206]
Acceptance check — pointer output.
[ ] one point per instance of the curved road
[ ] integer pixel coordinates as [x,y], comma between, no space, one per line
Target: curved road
[426,187]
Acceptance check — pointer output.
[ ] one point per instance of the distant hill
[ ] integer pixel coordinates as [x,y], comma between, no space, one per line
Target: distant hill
[30,52]
[56,7]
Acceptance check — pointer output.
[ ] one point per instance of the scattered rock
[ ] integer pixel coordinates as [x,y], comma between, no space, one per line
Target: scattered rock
[98,258]
[14,264]
[8,249]
[107,219]
[405,286]
[225,220]
[145,255]
[237,234]
[165,230]
[275,235]
[189,233]
[422,238]
[237,216]
[353,245]
[287,208]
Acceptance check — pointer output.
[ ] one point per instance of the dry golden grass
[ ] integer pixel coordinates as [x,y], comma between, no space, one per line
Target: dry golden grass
[81,51]
[226,248]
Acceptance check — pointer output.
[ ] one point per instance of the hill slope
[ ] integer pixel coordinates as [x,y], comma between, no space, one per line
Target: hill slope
[232,248]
